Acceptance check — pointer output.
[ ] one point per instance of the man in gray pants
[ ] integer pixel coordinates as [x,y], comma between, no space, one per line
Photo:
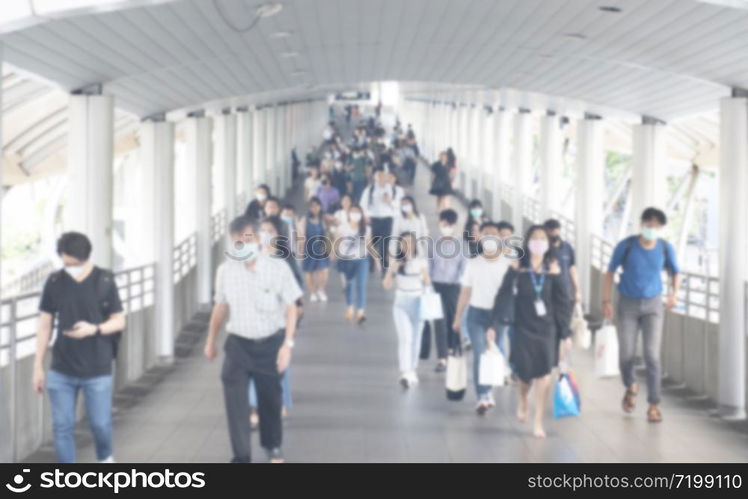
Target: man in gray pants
[640,304]
[260,292]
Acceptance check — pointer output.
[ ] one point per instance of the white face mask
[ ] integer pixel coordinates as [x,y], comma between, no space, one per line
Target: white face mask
[243,252]
[75,271]
[266,238]
[490,246]
[407,208]
[261,196]
[355,217]
[446,230]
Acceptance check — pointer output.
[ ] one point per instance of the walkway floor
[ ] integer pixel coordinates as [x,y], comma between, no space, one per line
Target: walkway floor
[348,407]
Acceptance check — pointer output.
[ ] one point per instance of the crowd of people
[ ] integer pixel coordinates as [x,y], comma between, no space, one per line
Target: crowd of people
[361,219]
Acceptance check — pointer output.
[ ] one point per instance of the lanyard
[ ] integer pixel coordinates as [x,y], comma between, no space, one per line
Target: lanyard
[538,283]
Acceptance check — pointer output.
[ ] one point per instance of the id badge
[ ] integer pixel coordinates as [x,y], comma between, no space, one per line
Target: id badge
[540,308]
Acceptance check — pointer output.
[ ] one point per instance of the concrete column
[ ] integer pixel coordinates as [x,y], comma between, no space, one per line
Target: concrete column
[487,152]
[589,198]
[226,158]
[245,152]
[271,170]
[281,141]
[522,167]
[502,130]
[90,172]
[733,247]
[550,164]
[258,147]
[199,155]
[157,226]
[647,169]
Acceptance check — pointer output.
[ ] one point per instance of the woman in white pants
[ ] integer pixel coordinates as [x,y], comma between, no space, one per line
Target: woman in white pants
[410,274]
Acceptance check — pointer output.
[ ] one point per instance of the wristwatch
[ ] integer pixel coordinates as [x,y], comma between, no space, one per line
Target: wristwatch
[98,330]
[290,343]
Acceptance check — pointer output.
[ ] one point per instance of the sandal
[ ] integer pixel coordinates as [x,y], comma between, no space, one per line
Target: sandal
[629,398]
[653,414]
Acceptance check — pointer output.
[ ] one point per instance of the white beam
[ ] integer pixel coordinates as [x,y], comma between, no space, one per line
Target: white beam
[226,158]
[647,169]
[550,165]
[522,166]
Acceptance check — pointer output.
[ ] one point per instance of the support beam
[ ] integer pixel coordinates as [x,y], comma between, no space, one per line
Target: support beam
[271,172]
[199,153]
[226,159]
[647,169]
[258,148]
[551,150]
[244,153]
[522,165]
[90,172]
[157,225]
[589,197]
[502,130]
[733,247]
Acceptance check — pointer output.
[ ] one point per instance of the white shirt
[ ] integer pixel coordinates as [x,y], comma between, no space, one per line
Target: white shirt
[379,208]
[416,225]
[410,282]
[311,184]
[257,298]
[484,277]
[351,244]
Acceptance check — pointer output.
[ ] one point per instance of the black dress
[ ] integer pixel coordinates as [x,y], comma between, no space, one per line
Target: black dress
[442,183]
[534,348]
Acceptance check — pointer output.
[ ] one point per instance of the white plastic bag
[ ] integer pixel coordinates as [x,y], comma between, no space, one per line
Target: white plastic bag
[580,332]
[456,376]
[492,367]
[606,351]
[431,306]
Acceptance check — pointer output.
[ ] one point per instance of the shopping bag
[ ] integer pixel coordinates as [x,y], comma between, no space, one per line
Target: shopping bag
[606,351]
[492,367]
[456,376]
[580,332]
[565,403]
[431,306]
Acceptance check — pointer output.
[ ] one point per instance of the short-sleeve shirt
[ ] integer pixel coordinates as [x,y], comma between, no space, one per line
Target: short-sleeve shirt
[93,300]
[351,244]
[642,272]
[257,298]
[564,254]
[484,277]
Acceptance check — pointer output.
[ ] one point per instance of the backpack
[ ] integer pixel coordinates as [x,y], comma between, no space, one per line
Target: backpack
[630,243]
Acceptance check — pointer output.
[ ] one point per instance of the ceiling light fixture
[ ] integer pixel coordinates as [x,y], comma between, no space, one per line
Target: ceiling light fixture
[281,34]
[298,72]
[289,54]
[612,9]
[266,10]
[575,36]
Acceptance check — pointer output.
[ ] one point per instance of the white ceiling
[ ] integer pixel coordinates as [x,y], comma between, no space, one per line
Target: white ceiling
[664,58]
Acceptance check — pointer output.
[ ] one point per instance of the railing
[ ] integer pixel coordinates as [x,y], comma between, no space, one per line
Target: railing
[218,225]
[531,209]
[185,257]
[30,280]
[568,227]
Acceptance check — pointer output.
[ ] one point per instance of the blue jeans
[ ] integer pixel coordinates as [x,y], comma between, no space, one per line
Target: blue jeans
[63,394]
[285,385]
[360,278]
[464,332]
[477,319]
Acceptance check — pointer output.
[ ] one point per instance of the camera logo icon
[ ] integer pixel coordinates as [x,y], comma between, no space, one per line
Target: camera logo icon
[17,483]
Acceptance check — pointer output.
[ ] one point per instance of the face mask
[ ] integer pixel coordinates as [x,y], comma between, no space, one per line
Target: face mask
[355,217]
[446,230]
[407,208]
[650,233]
[490,246]
[261,196]
[476,212]
[555,239]
[538,246]
[266,238]
[75,270]
[287,219]
[243,252]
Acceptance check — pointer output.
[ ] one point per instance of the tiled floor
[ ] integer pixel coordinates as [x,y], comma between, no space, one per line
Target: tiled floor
[349,408]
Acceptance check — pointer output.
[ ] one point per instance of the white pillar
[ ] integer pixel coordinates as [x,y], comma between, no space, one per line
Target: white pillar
[647,169]
[226,157]
[550,164]
[502,124]
[157,199]
[199,154]
[271,171]
[487,153]
[281,141]
[522,167]
[258,148]
[589,197]
[244,154]
[733,247]
[90,172]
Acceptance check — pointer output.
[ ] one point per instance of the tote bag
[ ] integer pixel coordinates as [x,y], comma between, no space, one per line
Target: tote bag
[580,330]
[431,306]
[456,376]
[606,351]
[565,400]
[492,365]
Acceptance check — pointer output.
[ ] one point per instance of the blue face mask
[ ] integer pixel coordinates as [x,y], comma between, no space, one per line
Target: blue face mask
[650,233]
[243,252]
[288,220]
[476,212]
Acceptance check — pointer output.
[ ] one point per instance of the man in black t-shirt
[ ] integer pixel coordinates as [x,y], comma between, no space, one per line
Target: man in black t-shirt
[85,301]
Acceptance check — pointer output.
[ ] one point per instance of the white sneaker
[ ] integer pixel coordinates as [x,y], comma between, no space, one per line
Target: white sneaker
[490,400]
[322,296]
[313,298]
[413,377]
[109,460]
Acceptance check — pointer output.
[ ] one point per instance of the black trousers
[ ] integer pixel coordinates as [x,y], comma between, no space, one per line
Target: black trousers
[247,359]
[440,337]
[381,229]
[450,294]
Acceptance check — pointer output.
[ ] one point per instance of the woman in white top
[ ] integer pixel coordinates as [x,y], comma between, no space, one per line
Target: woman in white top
[409,272]
[340,217]
[312,183]
[410,220]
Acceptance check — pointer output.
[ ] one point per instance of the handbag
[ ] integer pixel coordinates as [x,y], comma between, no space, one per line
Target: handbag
[579,329]
[431,305]
[492,364]
[456,375]
[606,351]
